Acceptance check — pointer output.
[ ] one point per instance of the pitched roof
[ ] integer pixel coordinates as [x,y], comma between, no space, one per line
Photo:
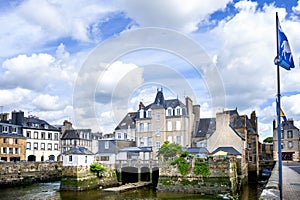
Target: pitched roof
[137,149]
[229,150]
[74,134]
[205,126]
[128,120]
[76,150]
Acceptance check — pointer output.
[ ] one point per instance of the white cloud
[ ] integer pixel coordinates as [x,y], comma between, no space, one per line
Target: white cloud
[48,102]
[175,14]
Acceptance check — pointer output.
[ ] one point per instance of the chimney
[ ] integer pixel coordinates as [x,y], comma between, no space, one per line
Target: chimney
[17,117]
[3,117]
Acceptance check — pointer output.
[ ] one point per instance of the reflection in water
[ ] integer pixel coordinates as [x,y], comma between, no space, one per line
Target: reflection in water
[50,191]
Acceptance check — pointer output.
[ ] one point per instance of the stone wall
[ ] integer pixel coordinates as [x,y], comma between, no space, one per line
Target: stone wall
[12,174]
[271,190]
[80,178]
[223,178]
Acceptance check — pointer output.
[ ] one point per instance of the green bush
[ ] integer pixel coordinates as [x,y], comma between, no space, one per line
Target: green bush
[98,168]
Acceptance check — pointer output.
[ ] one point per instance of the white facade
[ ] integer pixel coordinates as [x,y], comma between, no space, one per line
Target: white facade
[42,143]
[78,160]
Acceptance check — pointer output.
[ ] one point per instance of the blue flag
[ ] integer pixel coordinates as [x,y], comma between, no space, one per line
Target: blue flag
[285,58]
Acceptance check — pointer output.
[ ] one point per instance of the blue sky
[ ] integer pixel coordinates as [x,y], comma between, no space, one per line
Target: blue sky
[48,69]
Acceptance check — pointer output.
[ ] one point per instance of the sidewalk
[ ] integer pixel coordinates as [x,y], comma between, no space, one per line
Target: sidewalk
[290,184]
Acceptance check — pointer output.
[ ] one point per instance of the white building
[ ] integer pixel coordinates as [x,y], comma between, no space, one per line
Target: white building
[42,139]
[78,156]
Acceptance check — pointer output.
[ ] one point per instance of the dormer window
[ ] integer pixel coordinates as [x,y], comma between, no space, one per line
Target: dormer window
[169,111]
[142,113]
[178,111]
[148,113]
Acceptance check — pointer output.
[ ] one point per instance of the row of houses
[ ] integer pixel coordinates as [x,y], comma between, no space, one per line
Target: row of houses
[140,134]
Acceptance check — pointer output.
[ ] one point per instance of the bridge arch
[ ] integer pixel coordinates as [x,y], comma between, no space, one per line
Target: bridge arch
[129,175]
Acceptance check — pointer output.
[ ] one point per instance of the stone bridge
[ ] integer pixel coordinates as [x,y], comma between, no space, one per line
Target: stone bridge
[131,171]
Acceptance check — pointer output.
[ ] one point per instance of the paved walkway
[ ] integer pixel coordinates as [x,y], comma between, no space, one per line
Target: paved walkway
[290,183]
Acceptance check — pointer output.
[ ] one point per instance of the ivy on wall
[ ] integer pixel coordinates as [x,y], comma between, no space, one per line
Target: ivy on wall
[201,168]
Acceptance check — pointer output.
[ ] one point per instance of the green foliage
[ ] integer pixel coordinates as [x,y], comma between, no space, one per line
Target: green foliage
[201,168]
[182,166]
[96,167]
[268,140]
[169,150]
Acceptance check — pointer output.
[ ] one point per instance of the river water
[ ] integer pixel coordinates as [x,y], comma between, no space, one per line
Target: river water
[50,191]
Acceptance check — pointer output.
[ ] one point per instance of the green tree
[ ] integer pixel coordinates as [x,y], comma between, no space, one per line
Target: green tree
[169,150]
[268,140]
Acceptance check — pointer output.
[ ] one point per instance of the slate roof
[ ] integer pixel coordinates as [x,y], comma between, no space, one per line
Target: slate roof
[289,124]
[205,126]
[196,150]
[128,120]
[137,149]
[41,124]
[161,102]
[229,150]
[76,150]
[74,134]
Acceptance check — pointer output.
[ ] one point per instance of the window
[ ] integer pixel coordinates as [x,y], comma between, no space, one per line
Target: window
[157,145]
[290,134]
[149,127]
[28,145]
[250,158]
[65,142]
[106,145]
[10,150]
[170,139]
[49,146]
[50,136]
[169,125]
[4,150]
[157,116]
[282,134]
[178,139]
[35,134]
[125,135]
[178,111]
[4,141]
[141,127]
[71,141]
[64,149]
[149,141]
[119,135]
[16,150]
[271,147]
[104,158]
[170,112]
[142,113]
[55,136]
[149,113]
[5,129]
[249,146]
[14,129]
[35,145]
[157,131]
[290,144]
[178,125]
[70,159]
[28,134]
[16,141]
[55,146]
[42,135]
[42,146]
[142,142]
[85,159]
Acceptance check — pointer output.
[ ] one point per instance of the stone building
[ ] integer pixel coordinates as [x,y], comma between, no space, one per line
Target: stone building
[166,120]
[12,141]
[126,128]
[239,133]
[289,141]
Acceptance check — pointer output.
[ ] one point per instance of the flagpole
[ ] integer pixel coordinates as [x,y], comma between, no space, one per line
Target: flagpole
[278,114]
